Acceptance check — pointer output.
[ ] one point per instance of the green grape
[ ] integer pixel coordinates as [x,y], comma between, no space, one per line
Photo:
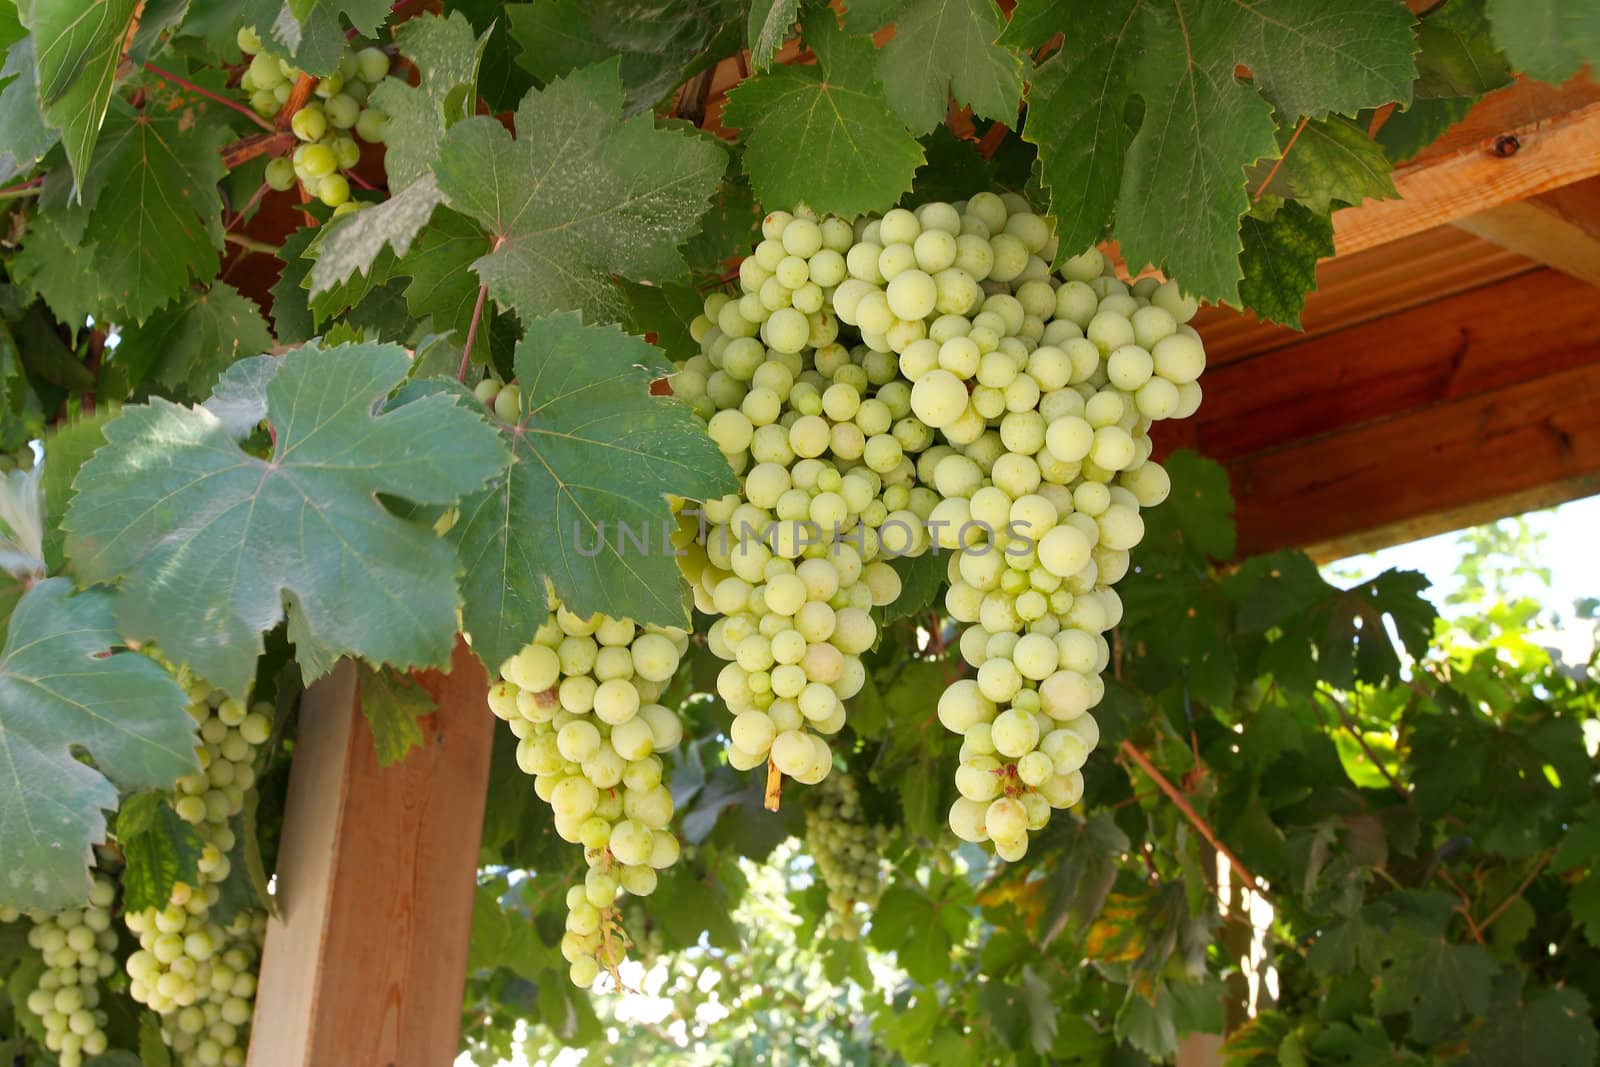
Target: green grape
[317,161]
[280,173]
[342,110]
[371,125]
[309,123]
[372,65]
[333,190]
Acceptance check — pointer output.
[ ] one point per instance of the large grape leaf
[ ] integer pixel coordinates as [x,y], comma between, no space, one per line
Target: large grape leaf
[659,44]
[1175,179]
[77,46]
[1333,162]
[1550,1027]
[440,268]
[579,197]
[59,691]
[446,55]
[593,454]
[824,135]
[187,344]
[162,225]
[940,49]
[355,242]
[61,271]
[24,137]
[1549,39]
[182,515]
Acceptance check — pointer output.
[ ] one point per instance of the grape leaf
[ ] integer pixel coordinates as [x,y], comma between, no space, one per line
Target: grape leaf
[1548,39]
[355,242]
[771,23]
[1458,56]
[313,39]
[593,455]
[291,304]
[1176,179]
[1333,163]
[658,44]
[440,269]
[365,15]
[163,226]
[76,49]
[160,849]
[67,447]
[24,137]
[187,344]
[153,1051]
[1406,133]
[59,692]
[1280,259]
[60,271]
[446,56]
[579,196]
[392,703]
[835,117]
[940,49]
[1553,1028]
[181,514]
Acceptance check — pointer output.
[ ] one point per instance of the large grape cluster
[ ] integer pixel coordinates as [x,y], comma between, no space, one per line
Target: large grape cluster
[970,398]
[848,850]
[329,128]
[78,947]
[581,698]
[198,973]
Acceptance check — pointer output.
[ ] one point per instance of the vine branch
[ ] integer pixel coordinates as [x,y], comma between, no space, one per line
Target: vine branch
[477,317]
[1499,910]
[1174,794]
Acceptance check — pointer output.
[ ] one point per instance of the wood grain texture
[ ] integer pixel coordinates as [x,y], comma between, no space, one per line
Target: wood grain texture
[1560,228]
[1473,342]
[1534,443]
[1548,153]
[366,965]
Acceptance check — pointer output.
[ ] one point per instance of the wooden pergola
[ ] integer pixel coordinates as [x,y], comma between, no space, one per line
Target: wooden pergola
[1449,374]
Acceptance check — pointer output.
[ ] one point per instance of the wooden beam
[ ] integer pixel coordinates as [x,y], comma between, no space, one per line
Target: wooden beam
[1367,285]
[1531,444]
[1514,163]
[1471,343]
[1560,228]
[366,965]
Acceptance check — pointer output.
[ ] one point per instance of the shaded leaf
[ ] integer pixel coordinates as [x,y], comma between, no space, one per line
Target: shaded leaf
[160,849]
[188,344]
[392,703]
[1280,259]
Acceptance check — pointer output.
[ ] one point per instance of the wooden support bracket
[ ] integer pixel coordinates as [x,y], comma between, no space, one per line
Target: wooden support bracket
[366,964]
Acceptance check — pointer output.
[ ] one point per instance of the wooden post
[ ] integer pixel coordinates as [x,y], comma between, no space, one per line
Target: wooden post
[366,964]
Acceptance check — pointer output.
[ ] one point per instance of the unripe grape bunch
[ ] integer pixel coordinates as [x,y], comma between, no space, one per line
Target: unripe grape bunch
[78,947]
[848,852]
[197,973]
[924,380]
[329,127]
[582,699]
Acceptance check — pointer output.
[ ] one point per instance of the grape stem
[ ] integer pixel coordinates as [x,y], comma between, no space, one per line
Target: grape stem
[477,317]
[209,95]
[250,244]
[1127,748]
[774,786]
[27,188]
[1273,173]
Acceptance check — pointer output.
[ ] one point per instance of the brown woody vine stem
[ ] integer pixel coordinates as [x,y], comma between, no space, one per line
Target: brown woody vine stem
[1355,732]
[477,317]
[209,95]
[1175,795]
[1500,908]
[297,100]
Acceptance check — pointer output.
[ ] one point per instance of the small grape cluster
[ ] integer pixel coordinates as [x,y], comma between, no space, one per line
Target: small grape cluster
[79,950]
[581,697]
[328,128]
[848,852]
[197,973]
[995,409]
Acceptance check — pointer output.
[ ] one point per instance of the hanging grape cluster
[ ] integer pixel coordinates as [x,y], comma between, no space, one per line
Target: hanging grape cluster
[329,128]
[923,380]
[198,973]
[78,947]
[848,850]
[581,697]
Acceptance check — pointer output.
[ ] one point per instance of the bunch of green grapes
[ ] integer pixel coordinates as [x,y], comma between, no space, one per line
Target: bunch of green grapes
[581,697]
[823,435]
[328,127]
[848,850]
[1018,402]
[78,947]
[195,972]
